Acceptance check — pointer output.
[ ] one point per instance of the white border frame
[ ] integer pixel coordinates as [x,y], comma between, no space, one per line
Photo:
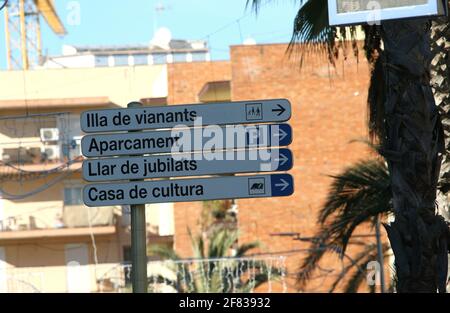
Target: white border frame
[369,16]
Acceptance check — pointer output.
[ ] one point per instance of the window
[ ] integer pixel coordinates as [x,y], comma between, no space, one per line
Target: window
[179,57]
[121,60]
[101,60]
[140,59]
[73,196]
[198,56]
[159,58]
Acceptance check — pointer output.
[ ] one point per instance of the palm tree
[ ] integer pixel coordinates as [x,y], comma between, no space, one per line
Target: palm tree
[405,120]
[213,269]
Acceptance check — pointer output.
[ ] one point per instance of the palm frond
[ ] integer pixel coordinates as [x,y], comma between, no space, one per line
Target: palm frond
[356,264]
[220,242]
[163,252]
[361,190]
[317,250]
[229,275]
[311,28]
[244,248]
[197,245]
[355,281]
[311,23]
[376,148]
[356,196]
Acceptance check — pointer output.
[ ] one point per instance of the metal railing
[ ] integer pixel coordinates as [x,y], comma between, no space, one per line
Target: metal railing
[224,275]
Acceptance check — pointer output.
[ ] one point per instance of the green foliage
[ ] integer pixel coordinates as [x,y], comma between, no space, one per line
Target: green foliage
[215,215]
[212,269]
[357,196]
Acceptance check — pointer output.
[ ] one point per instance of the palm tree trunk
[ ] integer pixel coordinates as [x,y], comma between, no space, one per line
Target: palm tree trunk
[440,81]
[413,144]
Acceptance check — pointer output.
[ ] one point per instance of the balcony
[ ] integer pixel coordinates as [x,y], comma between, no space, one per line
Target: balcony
[227,275]
[75,221]
[42,155]
[40,141]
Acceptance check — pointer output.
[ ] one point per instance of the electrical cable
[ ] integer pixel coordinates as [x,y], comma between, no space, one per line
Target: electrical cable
[5,2]
[47,185]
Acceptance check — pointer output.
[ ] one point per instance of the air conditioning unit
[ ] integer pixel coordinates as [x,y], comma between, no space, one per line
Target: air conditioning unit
[51,152]
[6,157]
[49,134]
[75,146]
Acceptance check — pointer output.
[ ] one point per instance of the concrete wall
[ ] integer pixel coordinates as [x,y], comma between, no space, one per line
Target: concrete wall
[43,265]
[120,84]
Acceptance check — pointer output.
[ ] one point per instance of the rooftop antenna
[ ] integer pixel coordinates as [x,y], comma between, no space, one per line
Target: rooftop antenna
[160,7]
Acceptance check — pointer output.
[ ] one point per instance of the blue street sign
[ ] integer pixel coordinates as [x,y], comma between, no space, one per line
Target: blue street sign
[210,138]
[187,164]
[240,112]
[282,185]
[187,190]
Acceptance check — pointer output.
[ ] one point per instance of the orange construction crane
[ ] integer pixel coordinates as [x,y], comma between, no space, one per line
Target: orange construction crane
[23,31]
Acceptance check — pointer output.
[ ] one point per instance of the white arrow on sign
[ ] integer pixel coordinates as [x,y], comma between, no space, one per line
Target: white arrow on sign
[186,140]
[283,158]
[281,134]
[187,164]
[241,112]
[283,185]
[185,190]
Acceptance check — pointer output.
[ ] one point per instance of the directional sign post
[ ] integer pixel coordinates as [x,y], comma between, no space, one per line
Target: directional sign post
[243,112]
[138,241]
[183,141]
[187,190]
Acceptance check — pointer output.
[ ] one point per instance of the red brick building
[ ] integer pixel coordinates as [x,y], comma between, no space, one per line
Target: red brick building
[328,111]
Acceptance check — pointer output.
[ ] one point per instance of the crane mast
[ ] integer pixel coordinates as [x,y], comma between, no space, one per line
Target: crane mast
[23,31]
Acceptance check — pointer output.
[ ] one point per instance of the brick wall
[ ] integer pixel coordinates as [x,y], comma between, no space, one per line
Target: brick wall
[185,80]
[329,110]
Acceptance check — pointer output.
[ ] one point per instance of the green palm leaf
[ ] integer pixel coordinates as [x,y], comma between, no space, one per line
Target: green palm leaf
[356,196]
[223,273]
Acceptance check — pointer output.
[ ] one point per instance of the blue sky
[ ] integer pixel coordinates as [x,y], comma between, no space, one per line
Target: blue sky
[114,22]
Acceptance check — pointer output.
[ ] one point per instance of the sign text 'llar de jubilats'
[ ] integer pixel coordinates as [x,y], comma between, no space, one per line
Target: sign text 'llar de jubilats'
[184,141]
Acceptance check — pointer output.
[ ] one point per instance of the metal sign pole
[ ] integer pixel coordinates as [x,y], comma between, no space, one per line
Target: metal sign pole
[138,241]
[380,255]
[138,248]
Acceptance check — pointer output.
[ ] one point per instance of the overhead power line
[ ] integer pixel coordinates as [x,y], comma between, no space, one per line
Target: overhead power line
[5,2]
